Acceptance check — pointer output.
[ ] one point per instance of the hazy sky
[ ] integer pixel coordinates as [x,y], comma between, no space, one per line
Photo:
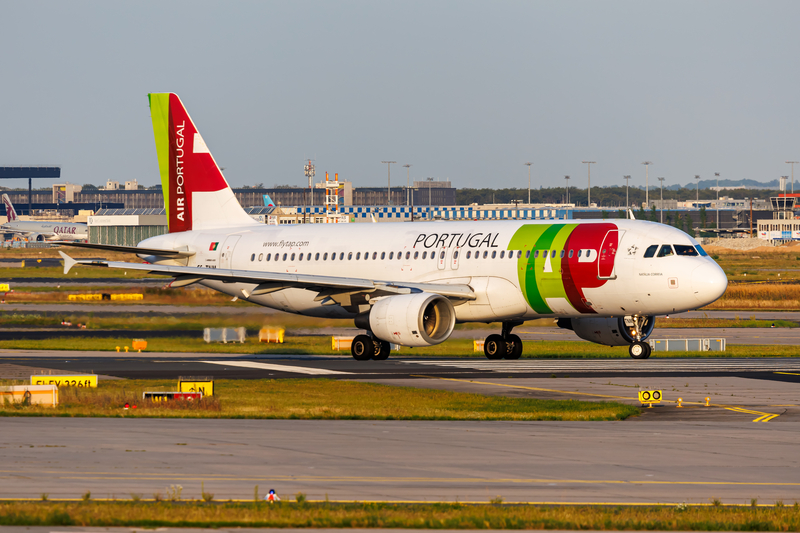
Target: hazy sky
[468,91]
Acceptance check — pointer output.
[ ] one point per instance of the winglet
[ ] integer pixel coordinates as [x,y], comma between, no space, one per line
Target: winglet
[630,214]
[68,261]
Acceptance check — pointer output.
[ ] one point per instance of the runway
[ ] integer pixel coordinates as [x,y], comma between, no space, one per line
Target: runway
[603,462]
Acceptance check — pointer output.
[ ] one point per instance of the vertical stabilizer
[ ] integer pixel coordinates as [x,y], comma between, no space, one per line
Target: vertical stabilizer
[11,213]
[196,195]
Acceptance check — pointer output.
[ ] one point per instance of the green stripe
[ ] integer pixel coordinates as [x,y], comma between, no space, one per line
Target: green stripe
[159,112]
[525,239]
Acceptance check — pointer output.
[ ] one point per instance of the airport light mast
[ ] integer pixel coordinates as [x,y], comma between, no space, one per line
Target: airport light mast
[389,189]
[717,175]
[566,188]
[661,210]
[646,183]
[408,184]
[627,185]
[529,181]
[697,177]
[589,190]
[310,172]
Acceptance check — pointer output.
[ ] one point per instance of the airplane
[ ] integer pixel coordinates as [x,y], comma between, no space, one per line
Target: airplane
[409,284]
[41,231]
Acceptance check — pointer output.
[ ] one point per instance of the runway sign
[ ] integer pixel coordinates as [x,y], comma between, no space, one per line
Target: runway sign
[46,395]
[206,387]
[4,287]
[65,381]
[650,396]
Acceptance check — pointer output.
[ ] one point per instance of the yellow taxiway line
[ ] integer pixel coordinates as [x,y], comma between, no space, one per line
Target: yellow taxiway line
[763,417]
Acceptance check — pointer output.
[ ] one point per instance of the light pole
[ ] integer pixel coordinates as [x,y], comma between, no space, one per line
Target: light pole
[792,163]
[566,189]
[589,190]
[647,183]
[529,181]
[408,180]
[717,175]
[697,177]
[661,210]
[389,189]
[310,172]
[627,185]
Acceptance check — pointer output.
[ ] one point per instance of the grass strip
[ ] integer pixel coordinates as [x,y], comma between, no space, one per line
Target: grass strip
[321,345]
[315,399]
[304,514]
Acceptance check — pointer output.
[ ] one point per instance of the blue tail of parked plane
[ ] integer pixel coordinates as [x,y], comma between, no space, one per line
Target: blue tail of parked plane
[268,201]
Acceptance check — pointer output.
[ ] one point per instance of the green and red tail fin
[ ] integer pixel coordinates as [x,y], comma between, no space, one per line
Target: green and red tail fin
[196,195]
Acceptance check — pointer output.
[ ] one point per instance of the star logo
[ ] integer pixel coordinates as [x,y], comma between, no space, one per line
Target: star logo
[632,250]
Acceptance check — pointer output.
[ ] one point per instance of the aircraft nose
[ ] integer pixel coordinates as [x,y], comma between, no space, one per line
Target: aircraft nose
[709,282]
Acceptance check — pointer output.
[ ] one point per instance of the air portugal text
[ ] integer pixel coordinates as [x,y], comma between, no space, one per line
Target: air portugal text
[470,240]
[180,207]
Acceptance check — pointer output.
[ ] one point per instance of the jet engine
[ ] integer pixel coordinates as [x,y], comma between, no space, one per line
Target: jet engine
[613,331]
[421,319]
[35,237]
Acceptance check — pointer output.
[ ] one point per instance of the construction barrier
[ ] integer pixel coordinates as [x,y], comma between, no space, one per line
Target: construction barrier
[66,381]
[104,296]
[224,334]
[477,346]
[46,395]
[687,345]
[271,335]
[341,343]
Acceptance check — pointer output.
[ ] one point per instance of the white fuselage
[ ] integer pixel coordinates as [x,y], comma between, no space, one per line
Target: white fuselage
[478,254]
[51,231]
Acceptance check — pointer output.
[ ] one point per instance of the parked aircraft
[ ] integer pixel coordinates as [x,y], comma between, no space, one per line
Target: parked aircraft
[409,283]
[40,230]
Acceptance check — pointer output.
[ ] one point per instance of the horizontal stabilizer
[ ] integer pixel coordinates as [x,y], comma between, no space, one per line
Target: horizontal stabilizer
[129,249]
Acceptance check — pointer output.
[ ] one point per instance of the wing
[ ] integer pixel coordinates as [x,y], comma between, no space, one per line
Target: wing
[330,289]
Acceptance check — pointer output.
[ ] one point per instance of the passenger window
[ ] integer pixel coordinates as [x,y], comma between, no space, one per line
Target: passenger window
[374,255]
[301,257]
[441,255]
[665,251]
[570,253]
[562,254]
[408,255]
[502,254]
[424,255]
[325,256]
[350,255]
[383,256]
[260,257]
[527,254]
[269,256]
[292,257]
[485,254]
[391,255]
[651,251]
[416,255]
[316,257]
[341,256]
[682,249]
[553,254]
[253,257]
[358,255]
[494,254]
[455,254]
[284,256]
[580,253]
[469,254]
[333,257]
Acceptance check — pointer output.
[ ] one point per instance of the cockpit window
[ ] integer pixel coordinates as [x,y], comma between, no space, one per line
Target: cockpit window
[666,250]
[700,249]
[682,249]
[651,250]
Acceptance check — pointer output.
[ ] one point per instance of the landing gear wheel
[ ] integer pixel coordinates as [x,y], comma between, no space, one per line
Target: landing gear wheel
[382,349]
[639,350]
[513,347]
[494,347]
[362,348]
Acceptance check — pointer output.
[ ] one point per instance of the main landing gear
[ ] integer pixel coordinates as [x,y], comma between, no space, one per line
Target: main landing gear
[504,346]
[365,348]
[639,349]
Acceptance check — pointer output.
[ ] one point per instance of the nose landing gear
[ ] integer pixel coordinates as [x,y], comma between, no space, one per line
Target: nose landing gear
[504,346]
[639,349]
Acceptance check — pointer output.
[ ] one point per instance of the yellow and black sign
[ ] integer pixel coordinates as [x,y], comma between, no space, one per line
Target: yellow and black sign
[650,396]
[206,387]
[4,287]
[66,381]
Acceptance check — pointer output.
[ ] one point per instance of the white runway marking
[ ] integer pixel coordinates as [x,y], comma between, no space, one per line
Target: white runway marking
[279,368]
[623,365]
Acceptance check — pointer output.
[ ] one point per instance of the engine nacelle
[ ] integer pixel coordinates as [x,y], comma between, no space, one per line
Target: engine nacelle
[35,237]
[614,331]
[421,319]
